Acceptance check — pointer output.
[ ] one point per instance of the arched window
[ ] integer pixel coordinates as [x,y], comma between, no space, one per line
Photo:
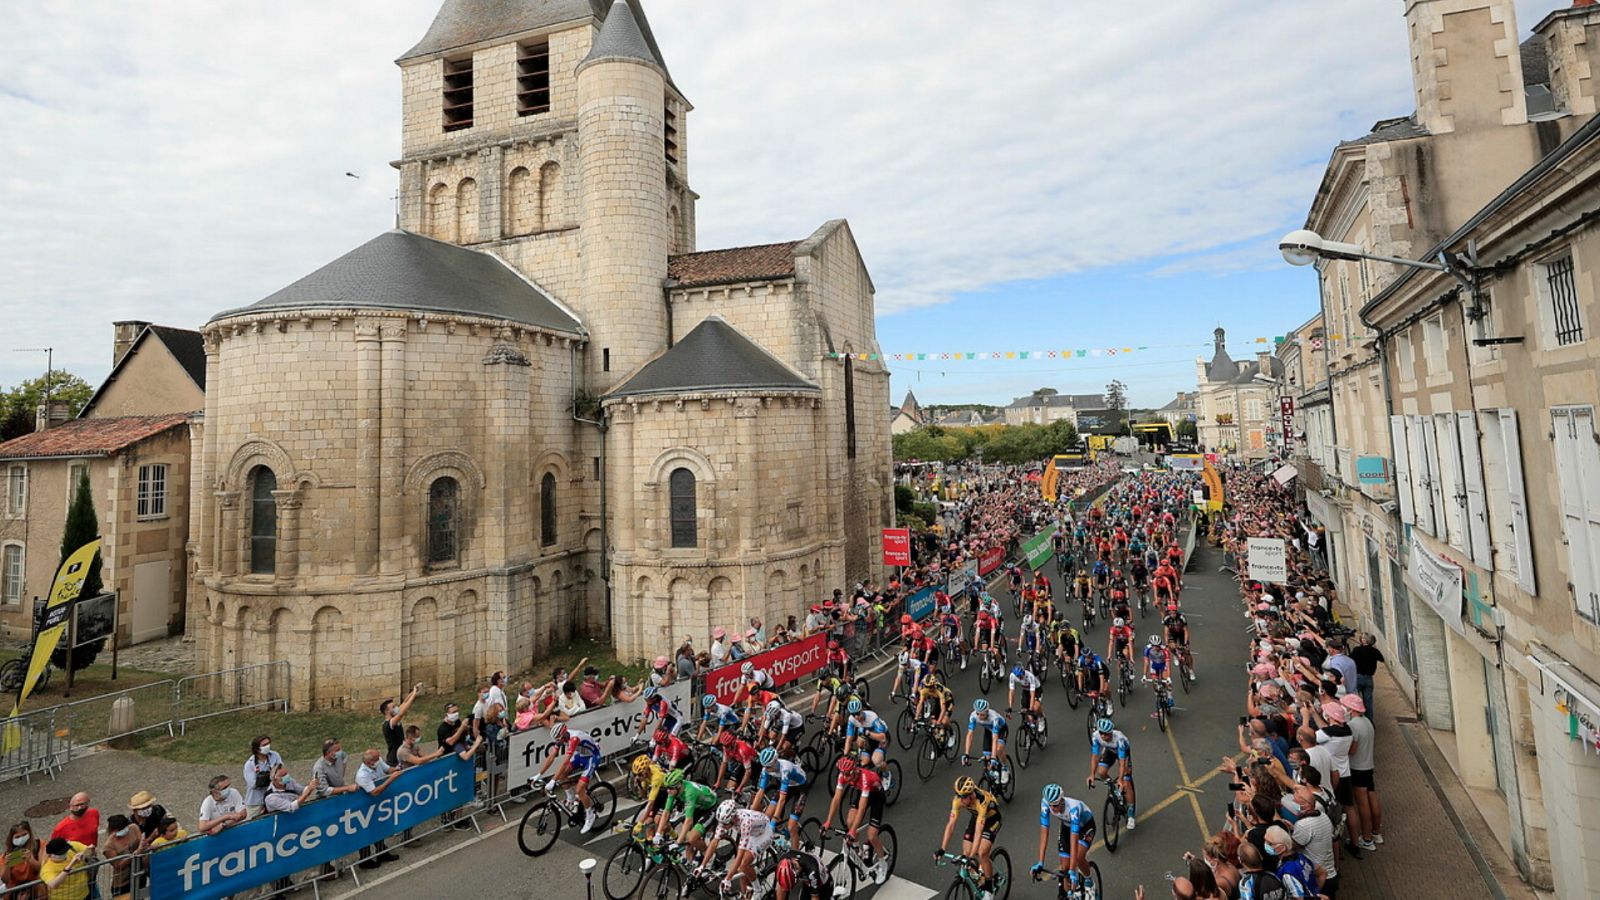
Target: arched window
[680,484]
[444,520]
[522,202]
[552,212]
[263,521]
[547,509]
[442,212]
[467,211]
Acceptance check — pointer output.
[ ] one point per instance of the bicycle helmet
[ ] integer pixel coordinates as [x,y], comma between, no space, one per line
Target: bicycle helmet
[1118,622]
[651,692]
[931,680]
[673,780]
[965,786]
[980,705]
[906,619]
[833,645]
[1155,640]
[854,707]
[662,736]
[726,739]
[709,701]
[726,812]
[841,692]
[1052,794]
[747,668]
[787,873]
[558,731]
[767,756]
[641,765]
[1105,725]
[1017,670]
[846,765]
[773,708]
[904,658]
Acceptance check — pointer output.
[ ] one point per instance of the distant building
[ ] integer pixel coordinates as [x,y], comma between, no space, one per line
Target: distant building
[1183,408]
[906,417]
[1044,406]
[1236,399]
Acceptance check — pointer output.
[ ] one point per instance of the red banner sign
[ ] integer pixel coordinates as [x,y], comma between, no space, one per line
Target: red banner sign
[1286,410]
[991,560]
[897,546]
[786,664]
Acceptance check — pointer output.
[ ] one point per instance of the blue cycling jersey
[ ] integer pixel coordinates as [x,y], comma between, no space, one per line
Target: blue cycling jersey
[1075,815]
[994,723]
[1118,742]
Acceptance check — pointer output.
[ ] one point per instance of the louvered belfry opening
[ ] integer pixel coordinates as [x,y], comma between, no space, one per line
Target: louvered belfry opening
[458,94]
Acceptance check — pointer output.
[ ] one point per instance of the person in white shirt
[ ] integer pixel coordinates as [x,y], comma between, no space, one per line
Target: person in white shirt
[222,807]
[719,646]
[374,777]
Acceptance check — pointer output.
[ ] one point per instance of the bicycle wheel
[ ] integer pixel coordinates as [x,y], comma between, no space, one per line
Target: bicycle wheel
[604,798]
[864,688]
[540,825]
[811,832]
[928,753]
[811,764]
[985,677]
[960,889]
[905,728]
[1000,860]
[893,779]
[663,883]
[1122,692]
[12,674]
[891,849]
[1187,677]
[843,876]
[1113,819]
[624,871]
[704,769]
[1161,713]
[1094,879]
[1008,788]
[1024,745]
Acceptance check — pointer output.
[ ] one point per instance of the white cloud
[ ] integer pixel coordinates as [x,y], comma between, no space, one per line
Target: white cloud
[166,160]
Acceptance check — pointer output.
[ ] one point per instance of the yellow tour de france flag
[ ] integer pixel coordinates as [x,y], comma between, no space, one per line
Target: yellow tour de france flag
[64,590]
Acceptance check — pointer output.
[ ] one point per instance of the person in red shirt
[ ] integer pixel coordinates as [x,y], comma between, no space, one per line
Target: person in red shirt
[81,823]
[738,762]
[671,752]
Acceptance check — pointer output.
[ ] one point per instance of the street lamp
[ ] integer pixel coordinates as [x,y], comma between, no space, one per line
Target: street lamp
[1302,248]
[587,868]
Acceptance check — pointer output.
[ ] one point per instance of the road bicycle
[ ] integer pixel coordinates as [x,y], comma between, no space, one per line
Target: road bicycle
[967,884]
[1185,668]
[1124,679]
[1143,590]
[543,821]
[1099,708]
[1164,701]
[1032,733]
[991,665]
[853,861]
[1088,613]
[893,779]
[1090,890]
[998,778]
[1067,667]
[1115,812]
[938,741]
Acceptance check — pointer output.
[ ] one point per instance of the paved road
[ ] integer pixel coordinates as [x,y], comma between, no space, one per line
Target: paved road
[1180,796]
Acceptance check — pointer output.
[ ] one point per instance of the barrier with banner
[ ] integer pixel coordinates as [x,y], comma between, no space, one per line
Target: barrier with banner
[786,665]
[1037,549]
[263,850]
[920,605]
[991,560]
[962,579]
[611,726]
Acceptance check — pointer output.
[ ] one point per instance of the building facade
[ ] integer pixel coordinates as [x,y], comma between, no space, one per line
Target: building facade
[1459,471]
[1237,403]
[1045,406]
[533,411]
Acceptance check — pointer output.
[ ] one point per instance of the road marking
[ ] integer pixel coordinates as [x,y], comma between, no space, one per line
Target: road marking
[897,888]
[1183,772]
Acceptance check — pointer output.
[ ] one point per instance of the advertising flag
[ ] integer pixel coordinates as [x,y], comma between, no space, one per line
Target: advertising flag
[63,591]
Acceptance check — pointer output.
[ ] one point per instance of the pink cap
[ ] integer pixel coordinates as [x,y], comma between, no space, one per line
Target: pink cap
[717,633]
[1353,703]
[1334,712]
[1262,670]
[661,662]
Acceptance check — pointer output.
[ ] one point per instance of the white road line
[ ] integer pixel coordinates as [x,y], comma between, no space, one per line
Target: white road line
[897,888]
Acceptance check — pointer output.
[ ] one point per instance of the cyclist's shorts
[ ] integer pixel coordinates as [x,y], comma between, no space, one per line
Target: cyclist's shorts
[1085,837]
[755,843]
[585,767]
[875,804]
[991,827]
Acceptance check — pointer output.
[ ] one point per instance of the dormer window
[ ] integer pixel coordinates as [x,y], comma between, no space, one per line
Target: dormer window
[458,94]
[533,78]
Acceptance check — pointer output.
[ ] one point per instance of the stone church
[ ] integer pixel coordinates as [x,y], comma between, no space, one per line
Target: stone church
[535,409]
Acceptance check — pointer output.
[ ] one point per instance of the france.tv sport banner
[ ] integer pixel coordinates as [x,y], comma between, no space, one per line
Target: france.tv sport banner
[920,605]
[612,727]
[991,560]
[63,591]
[786,665]
[263,850]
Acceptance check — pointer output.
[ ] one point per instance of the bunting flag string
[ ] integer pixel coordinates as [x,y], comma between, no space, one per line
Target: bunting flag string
[1276,341]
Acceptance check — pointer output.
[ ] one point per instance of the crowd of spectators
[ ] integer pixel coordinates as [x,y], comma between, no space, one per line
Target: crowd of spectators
[1304,800]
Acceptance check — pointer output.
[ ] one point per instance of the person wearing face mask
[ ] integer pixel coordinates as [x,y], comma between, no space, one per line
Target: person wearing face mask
[374,777]
[122,841]
[258,774]
[328,772]
[147,815]
[452,733]
[223,806]
[1299,876]
[394,730]
[1313,833]
[63,872]
[81,823]
[24,855]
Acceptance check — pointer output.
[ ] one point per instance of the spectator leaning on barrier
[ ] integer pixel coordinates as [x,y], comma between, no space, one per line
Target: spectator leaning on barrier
[328,772]
[410,753]
[81,823]
[374,777]
[223,806]
[63,873]
[258,773]
[168,832]
[147,814]
[394,729]
[121,841]
[286,795]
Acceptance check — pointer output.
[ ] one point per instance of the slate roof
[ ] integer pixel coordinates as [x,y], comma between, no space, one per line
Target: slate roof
[1397,129]
[461,23]
[620,37]
[1222,367]
[1182,402]
[186,346]
[713,356]
[402,270]
[762,262]
[1076,401]
[89,437]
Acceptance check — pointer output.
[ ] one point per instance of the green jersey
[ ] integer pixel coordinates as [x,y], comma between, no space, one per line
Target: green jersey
[697,799]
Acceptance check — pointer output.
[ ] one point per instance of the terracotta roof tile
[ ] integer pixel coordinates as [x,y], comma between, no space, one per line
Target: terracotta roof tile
[89,437]
[764,262]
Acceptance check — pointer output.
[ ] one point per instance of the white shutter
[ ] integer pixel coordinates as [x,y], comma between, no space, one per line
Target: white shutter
[1402,467]
[1569,433]
[1477,508]
[1517,499]
[1586,451]
[1452,481]
[1430,443]
[1420,486]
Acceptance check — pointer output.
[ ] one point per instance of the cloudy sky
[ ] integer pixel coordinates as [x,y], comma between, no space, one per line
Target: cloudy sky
[1021,176]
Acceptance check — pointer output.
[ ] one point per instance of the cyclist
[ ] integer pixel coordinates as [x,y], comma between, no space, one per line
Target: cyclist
[1177,628]
[934,701]
[995,728]
[1119,644]
[1081,588]
[753,831]
[1014,573]
[1157,659]
[1066,638]
[985,629]
[723,716]
[660,709]
[1094,678]
[581,757]
[1111,746]
[869,807]
[866,732]
[788,780]
[1077,833]
[781,725]
[1102,575]
[1023,680]
[737,765]
[753,680]
[1028,635]
[670,751]
[908,673]
[829,685]
[805,870]
[950,626]
[697,802]
[978,840]
[838,659]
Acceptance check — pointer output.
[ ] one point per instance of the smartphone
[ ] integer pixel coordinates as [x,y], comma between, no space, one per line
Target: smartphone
[1244,720]
[1235,786]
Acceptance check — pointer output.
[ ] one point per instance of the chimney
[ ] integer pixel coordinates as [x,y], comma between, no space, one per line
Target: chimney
[1466,67]
[50,415]
[1570,57]
[123,336]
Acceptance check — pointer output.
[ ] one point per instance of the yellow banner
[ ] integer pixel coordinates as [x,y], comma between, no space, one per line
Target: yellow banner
[1214,482]
[64,590]
[1047,482]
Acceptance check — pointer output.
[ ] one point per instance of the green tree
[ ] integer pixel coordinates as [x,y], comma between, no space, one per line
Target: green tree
[1187,431]
[14,420]
[82,527]
[22,402]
